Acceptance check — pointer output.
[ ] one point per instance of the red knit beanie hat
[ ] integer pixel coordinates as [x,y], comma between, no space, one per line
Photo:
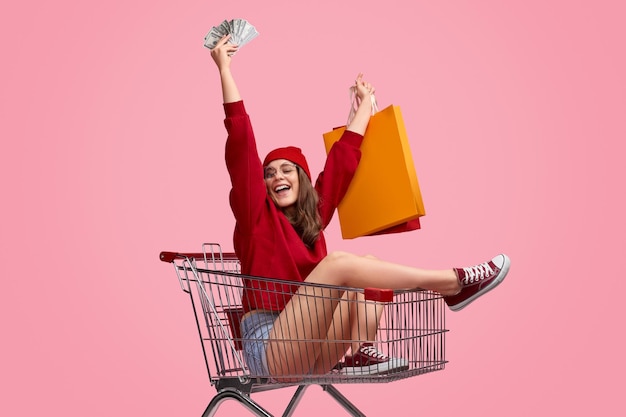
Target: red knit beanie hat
[290,153]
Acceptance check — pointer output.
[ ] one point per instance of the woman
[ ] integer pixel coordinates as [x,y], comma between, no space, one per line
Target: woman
[280,217]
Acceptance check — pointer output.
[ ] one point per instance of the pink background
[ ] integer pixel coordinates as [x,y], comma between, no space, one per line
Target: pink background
[112,150]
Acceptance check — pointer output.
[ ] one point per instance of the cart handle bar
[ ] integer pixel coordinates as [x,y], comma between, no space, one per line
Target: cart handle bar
[371,294]
[171,256]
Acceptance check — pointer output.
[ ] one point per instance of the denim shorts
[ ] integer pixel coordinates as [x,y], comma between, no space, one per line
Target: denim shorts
[255,330]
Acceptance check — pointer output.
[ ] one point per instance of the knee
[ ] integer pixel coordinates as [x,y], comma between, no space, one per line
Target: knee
[336,256]
[340,259]
[337,260]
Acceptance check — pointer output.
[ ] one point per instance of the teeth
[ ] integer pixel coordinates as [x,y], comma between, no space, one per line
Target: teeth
[281,188]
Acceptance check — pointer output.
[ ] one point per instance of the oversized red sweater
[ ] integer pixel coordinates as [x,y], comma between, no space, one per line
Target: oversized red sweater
[265,242]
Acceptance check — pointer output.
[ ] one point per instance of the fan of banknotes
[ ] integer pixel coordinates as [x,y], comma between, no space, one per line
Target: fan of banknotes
[241,32]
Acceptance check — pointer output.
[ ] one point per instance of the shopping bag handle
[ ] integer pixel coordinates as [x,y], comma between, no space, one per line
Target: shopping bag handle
[354,104]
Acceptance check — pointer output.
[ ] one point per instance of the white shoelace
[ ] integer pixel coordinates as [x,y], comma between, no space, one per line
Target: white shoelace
[372,351]
[477,273]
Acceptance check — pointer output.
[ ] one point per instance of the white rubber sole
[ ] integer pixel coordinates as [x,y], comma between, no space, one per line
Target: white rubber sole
[391,366]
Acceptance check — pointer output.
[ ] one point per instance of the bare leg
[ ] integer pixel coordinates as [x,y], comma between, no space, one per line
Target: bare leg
[368,316]
[301,332]
[355,322]
[339,334]
[366,322]
[346,269]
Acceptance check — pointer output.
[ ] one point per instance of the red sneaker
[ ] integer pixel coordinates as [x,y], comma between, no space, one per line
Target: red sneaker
[477,280]
[370,361]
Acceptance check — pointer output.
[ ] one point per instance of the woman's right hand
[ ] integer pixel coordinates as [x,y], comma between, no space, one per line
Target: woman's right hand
[222,52]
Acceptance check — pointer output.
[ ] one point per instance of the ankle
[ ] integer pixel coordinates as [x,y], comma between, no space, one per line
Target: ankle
[452,284]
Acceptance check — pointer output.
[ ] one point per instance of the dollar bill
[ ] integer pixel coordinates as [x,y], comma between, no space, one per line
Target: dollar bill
[240,30]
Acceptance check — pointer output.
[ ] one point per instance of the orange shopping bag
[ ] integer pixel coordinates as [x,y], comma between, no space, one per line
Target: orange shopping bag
[384,195]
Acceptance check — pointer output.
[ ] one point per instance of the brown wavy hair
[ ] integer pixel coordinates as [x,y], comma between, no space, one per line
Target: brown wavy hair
[306,218]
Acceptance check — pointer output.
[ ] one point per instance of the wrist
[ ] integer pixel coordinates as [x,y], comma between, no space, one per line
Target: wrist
[367,98]
[366,102]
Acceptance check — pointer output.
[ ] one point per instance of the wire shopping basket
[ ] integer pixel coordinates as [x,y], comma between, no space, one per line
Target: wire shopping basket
[410,330]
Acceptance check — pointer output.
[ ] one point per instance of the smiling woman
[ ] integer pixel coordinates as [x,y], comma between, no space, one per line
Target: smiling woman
[283,185]
[279,234]
[290,188]
[282,182]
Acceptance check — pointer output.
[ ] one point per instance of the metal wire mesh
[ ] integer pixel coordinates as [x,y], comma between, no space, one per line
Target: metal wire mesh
[412,325]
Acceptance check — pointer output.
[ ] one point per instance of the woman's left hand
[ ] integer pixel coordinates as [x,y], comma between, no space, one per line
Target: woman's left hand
[363,88]
[364,91]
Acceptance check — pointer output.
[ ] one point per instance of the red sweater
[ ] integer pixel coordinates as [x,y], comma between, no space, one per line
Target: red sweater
[265,242]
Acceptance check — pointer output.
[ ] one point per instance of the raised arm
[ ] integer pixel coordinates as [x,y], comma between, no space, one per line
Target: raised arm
[221,54]
[248,193]
[344,156]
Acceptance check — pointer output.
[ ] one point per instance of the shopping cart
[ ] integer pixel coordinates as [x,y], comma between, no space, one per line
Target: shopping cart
[411,328]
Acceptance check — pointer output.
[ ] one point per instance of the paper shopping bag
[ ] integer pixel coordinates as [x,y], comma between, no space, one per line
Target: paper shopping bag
[384,195]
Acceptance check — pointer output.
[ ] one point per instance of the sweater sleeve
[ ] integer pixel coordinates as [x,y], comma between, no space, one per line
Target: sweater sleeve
[341,164]
[248,193]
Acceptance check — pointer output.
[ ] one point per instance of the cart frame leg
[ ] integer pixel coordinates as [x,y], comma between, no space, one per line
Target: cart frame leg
[295,400]
[230,393]
[343,401]
[234,394]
